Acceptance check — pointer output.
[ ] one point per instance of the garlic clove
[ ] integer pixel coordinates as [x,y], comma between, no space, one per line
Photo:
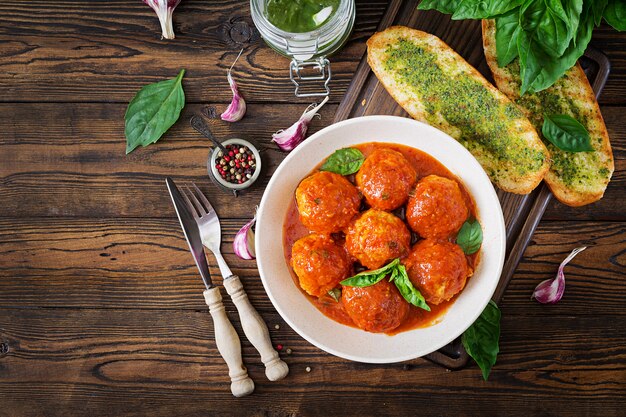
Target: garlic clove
[237,107]
[291,137]
[164,10]
[551,291]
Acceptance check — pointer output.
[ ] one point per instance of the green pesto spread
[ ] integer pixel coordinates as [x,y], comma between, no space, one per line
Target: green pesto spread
[573,169]
[465,103]
[298,16]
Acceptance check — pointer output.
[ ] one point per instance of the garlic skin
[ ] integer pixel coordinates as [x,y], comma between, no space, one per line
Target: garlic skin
[164,10]
[291,137]
[237,107]
[551,291]
[243,244]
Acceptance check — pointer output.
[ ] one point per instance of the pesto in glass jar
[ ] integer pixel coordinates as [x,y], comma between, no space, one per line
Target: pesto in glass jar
[299,16]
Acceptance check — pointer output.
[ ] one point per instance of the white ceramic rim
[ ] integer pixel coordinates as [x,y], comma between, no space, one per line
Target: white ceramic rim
[257,170]
[355,344]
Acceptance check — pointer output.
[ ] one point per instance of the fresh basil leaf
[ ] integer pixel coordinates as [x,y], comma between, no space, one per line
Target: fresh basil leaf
[573,10]
[367,278]
[615,14]
[443,6]
[597,9]
[553,69]
[547,24]
[483,9]
[566,133]
[507,31]
[153,110]
[335,294]
[530,57]
[344,161]
[480,340]
[407,290]
[470,237]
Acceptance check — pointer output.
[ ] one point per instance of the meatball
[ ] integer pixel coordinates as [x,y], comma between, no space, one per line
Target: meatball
[438,269]
[385,179]
[376,237]
[327,202]
[438,208]
[377,308]
[319,263]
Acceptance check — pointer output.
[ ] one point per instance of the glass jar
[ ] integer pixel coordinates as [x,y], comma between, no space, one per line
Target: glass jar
[308,50]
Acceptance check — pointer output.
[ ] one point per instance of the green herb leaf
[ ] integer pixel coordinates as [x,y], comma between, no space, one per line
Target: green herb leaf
[547,23]
[553,69]
[597,8]
[344,161]
[153,110]
[530,57]
[443,6]
[483,9]
[615,14]
[481,339]
[335,294]
[407,290]
[367,278]
[470,237]
[470,9]
[566,133]
[507,31]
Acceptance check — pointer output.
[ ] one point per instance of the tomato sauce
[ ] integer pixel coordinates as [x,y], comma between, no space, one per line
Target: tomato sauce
[293,230]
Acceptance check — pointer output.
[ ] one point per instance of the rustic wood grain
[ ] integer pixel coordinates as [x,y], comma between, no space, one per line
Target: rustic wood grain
[71,162]
[101,308]
[145,263]
[105,51]
[117,360]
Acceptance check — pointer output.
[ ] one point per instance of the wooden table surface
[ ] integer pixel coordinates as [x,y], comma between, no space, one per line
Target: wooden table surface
[101,308]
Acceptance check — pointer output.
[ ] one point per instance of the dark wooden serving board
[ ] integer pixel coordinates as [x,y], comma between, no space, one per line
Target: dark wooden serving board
[522,213]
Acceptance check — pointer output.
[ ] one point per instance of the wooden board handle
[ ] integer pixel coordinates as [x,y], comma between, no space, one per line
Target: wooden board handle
[256,330]
[228,344]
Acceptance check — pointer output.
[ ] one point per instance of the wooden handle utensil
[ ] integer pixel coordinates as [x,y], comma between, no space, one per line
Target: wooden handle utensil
[256,330]
[228,344]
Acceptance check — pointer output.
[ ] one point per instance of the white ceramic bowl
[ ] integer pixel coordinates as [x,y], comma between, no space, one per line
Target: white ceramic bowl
[345,341]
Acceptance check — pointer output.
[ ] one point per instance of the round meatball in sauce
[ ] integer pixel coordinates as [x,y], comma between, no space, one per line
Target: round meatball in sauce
[319,263]
[327,202]
[437,209]
[385,179]
[377,308]
[376,237]
[438,269]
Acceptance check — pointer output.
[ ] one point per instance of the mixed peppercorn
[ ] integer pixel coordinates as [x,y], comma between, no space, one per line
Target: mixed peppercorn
[237,165]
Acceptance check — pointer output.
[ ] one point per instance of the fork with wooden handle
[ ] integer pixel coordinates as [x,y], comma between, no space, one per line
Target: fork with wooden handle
[226,337]
[253,325]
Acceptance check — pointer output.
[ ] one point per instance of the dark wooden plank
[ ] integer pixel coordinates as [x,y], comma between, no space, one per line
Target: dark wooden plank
[89,51]
[116,362]
[74,159]
[145,263]
[71,161]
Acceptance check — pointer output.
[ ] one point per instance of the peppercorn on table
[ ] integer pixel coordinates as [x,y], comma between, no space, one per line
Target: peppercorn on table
[100,305]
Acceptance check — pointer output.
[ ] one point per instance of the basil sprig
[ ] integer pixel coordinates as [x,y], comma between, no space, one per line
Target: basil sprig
[153,110]
[397,274]
[406,288]
[566,133]
[480,340]
[367,278]
[344,161]
[548,36]
[470,237]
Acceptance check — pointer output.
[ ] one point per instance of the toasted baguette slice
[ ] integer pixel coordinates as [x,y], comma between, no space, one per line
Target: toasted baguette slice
[435,85]
[575,178]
